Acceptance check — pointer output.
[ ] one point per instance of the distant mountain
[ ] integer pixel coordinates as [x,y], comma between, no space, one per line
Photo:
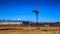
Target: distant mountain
[13,21]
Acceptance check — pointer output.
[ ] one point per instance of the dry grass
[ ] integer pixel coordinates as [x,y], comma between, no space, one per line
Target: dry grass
[17,29]
[32,30]
[28,32]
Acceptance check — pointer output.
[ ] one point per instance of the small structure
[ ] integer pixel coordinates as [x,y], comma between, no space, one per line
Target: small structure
[25,24]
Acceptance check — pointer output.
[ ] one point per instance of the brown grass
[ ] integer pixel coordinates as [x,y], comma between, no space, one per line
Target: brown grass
[32,30]
[17,29]
[28,32]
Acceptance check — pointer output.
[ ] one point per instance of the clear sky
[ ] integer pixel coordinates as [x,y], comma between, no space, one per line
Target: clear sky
[22,9]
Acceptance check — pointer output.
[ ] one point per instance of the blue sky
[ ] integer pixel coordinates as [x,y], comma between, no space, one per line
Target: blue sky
[22,9]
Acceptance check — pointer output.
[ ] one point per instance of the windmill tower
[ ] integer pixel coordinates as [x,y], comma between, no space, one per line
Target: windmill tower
[36,11]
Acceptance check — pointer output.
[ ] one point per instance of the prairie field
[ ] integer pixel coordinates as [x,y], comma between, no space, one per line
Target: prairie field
[17,29]
[31,30]
[28,32]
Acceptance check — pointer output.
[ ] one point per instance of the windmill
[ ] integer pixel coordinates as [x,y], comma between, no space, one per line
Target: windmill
[36,11]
